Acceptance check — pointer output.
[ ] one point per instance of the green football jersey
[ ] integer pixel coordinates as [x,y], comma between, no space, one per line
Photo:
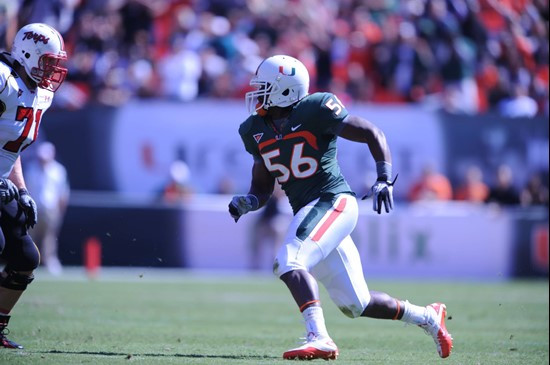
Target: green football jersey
[302,154]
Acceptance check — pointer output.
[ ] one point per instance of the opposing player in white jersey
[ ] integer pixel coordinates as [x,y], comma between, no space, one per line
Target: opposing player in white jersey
[29,77]
[292,138]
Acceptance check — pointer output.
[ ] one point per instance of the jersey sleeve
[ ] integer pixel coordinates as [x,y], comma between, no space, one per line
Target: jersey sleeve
[248,140]
[331,112]
[5,73]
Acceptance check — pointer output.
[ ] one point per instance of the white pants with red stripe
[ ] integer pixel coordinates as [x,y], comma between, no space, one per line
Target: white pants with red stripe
[318,240]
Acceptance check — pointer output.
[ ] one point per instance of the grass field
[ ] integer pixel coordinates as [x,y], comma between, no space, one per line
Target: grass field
[147,316]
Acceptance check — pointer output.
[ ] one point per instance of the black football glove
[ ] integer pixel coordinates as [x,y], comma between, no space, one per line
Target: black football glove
[381,192]
[29,206]
[8,191]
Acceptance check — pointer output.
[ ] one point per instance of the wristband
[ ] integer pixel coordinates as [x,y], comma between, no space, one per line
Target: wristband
[23,191]
[254,201]
[383,170]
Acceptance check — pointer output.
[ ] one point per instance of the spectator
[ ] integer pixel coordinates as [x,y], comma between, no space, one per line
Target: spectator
[180,72]
[534,193]
[178,188]
[503,192]
[225,185]
[431,186]
[47,180]
[519,104]
[56,13]
[473,189]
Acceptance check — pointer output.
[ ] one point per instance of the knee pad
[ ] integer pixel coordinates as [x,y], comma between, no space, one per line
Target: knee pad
[281,267]
[351,307]
[297,255]
[26,257]
[16,281]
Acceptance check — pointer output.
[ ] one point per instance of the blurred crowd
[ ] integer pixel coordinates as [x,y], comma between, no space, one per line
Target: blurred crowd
[464,56]
[499,189]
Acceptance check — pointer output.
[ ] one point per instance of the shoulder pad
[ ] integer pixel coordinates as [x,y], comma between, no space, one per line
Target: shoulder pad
[5,73]
[316,98]
[247,124]
[5,70]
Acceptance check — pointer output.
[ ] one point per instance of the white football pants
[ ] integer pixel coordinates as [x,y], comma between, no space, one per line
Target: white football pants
[318,241]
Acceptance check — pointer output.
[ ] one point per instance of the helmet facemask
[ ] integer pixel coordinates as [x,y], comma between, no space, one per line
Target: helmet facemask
[49,74]
[259,99]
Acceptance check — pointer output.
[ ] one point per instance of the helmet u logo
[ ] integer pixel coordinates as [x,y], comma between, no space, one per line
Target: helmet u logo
[292,73]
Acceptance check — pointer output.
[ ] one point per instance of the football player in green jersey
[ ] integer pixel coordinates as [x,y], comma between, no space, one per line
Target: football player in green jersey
[292,138]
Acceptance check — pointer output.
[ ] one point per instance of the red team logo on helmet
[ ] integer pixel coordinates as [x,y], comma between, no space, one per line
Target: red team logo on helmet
[37,37]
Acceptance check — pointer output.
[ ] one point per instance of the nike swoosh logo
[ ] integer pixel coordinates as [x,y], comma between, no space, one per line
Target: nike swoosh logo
[295,127]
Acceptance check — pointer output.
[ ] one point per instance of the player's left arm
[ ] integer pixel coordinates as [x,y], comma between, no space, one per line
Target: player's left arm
[25,200]
[262,183]
[357,129]
[261,189]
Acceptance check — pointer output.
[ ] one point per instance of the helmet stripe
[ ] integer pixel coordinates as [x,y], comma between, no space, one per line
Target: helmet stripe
[257,69]
[61,41]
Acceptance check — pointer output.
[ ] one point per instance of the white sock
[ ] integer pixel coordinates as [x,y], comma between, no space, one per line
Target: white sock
[315,322]
[414,314]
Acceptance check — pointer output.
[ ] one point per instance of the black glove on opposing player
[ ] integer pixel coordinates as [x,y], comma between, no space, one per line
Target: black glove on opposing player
[8,191]
[29,206]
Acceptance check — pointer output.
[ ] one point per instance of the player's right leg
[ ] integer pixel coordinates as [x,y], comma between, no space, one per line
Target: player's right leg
[314,232]
[317,344]
[22,257]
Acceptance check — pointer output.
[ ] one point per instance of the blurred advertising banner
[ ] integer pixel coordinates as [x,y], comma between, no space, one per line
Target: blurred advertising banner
[128,232]
[130,149]
[437,240]
[147,137]
[425,240]
[83,144]
[531,242]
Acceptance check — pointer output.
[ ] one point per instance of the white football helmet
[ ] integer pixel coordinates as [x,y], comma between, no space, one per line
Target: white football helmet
[40,49]
[280,81]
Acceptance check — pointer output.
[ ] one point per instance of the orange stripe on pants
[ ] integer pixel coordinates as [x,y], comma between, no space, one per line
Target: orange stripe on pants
[332,217]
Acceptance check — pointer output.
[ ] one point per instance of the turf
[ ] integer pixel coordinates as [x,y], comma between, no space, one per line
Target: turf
[146,316]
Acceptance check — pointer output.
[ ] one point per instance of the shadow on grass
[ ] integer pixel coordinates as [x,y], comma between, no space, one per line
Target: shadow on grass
[193,356]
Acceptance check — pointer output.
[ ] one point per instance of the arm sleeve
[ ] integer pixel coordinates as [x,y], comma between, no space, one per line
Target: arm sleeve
[331,113]
[248,140]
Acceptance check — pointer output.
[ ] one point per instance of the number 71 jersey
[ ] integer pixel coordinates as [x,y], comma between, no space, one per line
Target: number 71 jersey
[302,154]
[20,113]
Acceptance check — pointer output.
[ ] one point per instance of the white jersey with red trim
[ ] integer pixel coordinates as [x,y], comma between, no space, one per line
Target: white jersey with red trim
[21,110]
